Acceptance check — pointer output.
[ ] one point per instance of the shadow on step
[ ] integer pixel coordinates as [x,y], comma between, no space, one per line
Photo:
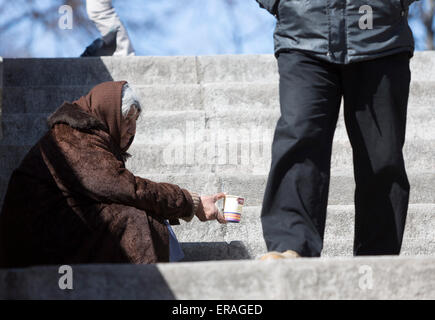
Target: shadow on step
[31,90]
[206,251]
[92,281]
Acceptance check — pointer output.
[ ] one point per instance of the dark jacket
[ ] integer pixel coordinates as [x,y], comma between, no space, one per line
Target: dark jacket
[72,200]
[330,29]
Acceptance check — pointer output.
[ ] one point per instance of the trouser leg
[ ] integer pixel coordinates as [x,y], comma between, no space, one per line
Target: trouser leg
[296,196]
[102,13]
[375,107]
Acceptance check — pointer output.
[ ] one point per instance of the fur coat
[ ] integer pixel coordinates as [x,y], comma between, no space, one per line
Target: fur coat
[72,200]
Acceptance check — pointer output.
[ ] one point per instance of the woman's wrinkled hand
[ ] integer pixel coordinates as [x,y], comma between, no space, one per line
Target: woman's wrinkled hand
[211,211]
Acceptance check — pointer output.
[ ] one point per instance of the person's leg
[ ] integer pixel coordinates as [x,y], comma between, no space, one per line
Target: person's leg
[120,234]
[296,196]
[375,106]
[102,13]
[175,251]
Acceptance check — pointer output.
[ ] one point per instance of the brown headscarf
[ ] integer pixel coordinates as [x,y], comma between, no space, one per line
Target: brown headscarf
[104,102]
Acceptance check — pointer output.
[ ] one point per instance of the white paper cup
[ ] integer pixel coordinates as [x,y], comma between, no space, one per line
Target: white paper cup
[233,208]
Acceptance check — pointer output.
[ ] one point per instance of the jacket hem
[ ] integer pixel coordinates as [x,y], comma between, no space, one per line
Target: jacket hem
[351,58]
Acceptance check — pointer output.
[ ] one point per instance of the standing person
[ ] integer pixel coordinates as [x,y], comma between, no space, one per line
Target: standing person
[102,13]
[327,50]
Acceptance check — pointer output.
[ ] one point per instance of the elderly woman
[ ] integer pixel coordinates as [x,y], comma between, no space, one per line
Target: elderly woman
[73,201]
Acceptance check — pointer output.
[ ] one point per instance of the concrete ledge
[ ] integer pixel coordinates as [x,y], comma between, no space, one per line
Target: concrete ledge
[165,70]
[324,278]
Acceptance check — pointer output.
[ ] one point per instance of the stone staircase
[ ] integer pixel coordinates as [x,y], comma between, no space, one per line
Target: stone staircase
[322,278]
[208,126]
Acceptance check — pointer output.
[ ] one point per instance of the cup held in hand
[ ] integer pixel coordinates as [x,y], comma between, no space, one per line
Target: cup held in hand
[233,208]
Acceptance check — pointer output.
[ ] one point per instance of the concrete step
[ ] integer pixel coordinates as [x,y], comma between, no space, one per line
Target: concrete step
[252,187]
[240,124]
[420,224]
[165,127]
[158,70]
[46,99]
[239,250]
[138,70]
[249,181]
[212,97]
[315,278]
[91,71]
[251,157]
[244,240]
[341,189]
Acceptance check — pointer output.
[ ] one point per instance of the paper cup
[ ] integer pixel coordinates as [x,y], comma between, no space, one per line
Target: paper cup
[233,208]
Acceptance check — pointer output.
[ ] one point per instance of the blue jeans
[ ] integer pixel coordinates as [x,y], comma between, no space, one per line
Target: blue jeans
[175,251]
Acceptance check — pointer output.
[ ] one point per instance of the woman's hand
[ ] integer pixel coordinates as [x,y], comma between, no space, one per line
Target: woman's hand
[211,211]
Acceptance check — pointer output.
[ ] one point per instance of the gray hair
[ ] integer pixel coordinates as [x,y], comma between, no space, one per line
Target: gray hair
[129,100]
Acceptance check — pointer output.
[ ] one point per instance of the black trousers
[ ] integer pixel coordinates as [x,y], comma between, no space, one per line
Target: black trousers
[375,96]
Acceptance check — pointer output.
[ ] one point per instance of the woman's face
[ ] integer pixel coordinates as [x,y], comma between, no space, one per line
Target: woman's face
[128,128]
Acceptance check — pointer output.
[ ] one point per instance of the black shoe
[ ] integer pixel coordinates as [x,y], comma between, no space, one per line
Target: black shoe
[104,46]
